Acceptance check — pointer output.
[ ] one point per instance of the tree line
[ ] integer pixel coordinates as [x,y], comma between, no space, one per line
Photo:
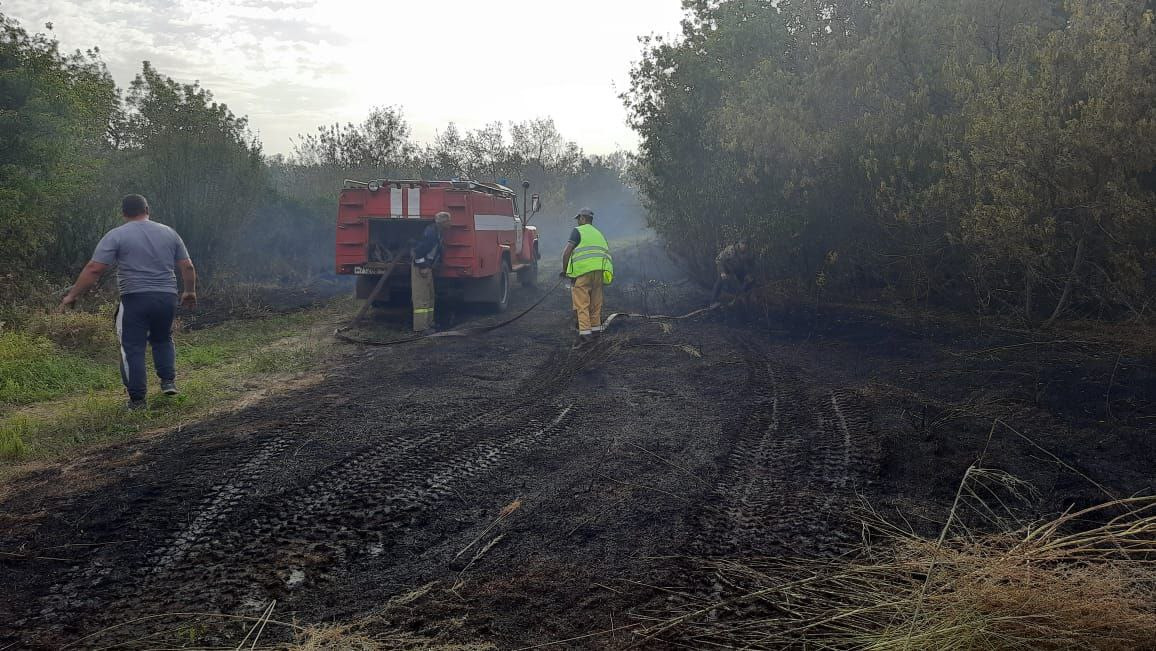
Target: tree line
[72,143]
[531,150]
[998,155]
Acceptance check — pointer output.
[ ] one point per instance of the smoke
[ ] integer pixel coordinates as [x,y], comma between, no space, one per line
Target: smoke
[639,254]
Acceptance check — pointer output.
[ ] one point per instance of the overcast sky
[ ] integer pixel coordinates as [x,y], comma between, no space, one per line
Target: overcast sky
[291,65]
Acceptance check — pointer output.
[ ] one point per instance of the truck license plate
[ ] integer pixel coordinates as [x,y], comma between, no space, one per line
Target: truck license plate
[363,271]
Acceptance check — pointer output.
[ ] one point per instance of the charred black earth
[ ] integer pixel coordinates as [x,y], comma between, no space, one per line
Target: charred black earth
[504,489]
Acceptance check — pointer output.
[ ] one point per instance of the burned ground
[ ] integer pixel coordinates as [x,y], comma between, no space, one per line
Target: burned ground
[722,436]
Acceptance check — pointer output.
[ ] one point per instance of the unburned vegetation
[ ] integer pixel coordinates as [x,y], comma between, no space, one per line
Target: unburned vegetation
[61,392]
[994,157]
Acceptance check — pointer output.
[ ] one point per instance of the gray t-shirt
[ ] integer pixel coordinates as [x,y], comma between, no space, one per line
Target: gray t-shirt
[145,254]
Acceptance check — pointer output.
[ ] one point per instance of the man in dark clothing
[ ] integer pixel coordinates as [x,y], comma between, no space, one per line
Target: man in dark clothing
[733,265]
[145,254]
[427,254]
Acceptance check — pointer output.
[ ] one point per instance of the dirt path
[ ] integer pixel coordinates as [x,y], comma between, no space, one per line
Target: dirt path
[388,478]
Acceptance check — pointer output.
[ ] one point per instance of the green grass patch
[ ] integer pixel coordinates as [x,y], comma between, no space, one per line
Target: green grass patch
[12,438]
[197,356]
[33,369]
[213,365]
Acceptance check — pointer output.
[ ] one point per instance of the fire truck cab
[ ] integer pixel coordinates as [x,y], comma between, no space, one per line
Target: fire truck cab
[488,241]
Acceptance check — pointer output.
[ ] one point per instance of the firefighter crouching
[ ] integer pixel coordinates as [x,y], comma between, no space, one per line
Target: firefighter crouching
[733,265]
[587,263]
[427,253]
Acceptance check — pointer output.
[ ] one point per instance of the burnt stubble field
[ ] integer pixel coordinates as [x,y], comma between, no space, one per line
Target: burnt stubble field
[506,490]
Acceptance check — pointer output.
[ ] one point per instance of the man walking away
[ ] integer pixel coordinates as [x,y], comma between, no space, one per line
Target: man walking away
[587,262]
[145,254]
[427,253]
[733,265]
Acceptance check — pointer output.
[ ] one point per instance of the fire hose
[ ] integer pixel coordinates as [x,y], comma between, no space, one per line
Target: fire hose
[467,332]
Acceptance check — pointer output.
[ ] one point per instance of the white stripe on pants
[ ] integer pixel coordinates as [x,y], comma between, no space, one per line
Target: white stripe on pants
[120,341]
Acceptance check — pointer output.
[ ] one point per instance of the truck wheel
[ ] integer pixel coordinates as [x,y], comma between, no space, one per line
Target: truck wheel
[502,290]
[529,276]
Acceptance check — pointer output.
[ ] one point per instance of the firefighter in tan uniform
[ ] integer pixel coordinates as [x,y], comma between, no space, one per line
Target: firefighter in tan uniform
[427,253]
[587,262]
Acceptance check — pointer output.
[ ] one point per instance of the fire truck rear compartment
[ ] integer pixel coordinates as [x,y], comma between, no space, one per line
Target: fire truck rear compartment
[389,239]
[395,238]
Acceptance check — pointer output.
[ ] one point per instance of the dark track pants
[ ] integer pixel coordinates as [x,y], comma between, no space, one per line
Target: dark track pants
[141,319]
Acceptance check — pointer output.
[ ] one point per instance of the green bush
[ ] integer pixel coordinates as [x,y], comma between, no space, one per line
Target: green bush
[33,368]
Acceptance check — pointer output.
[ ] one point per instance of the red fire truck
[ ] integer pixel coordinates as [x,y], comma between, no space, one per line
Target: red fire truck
[488,240]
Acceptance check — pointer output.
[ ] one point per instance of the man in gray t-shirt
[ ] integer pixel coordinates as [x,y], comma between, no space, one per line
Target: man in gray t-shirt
[146,255]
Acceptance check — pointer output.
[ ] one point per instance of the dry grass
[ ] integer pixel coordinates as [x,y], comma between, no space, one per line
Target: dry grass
[377,631]
[1084,580]
[267,631]
[75,330]
[348,637]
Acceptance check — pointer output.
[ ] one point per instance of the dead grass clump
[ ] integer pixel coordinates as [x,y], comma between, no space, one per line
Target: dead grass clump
[1084,580]
[381,630]
[351,637]
[75,330]
[238,298]
[384,629]
[335,637]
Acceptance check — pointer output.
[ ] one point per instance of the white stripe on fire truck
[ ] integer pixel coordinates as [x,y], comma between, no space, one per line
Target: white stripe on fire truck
[493,223]
[395,202]
[413,209]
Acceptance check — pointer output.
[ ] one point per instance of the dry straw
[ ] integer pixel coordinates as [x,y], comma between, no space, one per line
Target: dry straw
[1084,580]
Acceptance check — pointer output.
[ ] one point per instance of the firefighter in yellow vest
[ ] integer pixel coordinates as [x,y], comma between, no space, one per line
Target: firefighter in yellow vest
[587,263]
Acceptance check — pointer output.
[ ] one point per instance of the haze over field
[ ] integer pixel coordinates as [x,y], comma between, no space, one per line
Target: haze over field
[291,65]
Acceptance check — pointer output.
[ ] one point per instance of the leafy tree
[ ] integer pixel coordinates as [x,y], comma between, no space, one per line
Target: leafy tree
[54,119]
[196,162]
[538,144]
[379,142]
[992,154]
[444,157]
[698,193]
[1058,142]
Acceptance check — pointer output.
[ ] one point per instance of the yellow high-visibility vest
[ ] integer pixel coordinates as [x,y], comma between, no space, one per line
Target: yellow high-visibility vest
[591,254]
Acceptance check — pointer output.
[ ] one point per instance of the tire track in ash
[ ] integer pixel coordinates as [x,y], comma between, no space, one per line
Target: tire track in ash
[222,499]
[149,513]
[790,470]
[235,551]
[411,474]
[357,515]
